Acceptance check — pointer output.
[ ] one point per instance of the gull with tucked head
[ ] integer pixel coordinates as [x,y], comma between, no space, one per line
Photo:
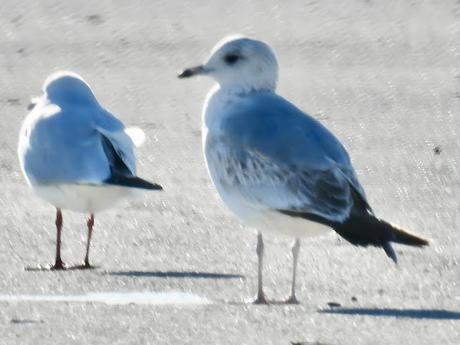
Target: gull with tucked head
[277,168]
[76,155]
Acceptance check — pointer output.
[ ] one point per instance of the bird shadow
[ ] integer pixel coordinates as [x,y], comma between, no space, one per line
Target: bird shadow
[176,274]
[434,314]
[49,268]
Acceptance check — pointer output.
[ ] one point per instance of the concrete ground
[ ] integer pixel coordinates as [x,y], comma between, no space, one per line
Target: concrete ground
[383,76]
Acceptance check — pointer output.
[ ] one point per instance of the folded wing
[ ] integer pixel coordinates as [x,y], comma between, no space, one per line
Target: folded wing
[118,143]
[281,158]
[289,188]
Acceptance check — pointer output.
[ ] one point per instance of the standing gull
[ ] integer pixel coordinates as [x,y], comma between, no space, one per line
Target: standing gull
[76,155]
[274,166]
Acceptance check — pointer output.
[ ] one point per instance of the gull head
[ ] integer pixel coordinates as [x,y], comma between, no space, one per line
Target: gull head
[67,87]
[241,63]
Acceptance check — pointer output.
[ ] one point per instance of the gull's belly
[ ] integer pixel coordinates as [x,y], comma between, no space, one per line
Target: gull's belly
[82,198]
[267,220]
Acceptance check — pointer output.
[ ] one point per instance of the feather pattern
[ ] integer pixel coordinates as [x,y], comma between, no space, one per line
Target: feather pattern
[277,157]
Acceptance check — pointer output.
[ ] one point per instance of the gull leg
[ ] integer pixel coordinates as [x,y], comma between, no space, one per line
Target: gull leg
[295,255]
[90,224]
[260,255]
[58,264]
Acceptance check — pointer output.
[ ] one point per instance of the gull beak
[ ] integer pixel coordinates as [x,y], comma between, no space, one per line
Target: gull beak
[190,72]
[33,103]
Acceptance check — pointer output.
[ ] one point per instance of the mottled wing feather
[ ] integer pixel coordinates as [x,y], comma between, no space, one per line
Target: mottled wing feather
[275,155]
[288,187]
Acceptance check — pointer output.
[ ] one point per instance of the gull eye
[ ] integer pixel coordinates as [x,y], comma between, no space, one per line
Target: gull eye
[231,58]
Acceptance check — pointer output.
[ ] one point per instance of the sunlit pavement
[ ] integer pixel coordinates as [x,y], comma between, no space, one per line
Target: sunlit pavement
[175,267]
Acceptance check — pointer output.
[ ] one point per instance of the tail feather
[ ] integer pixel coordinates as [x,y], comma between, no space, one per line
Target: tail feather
[365,229]
[390,252]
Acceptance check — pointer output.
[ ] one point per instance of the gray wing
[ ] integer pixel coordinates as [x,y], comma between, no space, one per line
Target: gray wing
[276,156]
[118,144]
[75,145]
[60,145]
[285,187]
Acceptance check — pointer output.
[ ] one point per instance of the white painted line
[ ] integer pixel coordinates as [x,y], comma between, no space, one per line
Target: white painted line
[116,298]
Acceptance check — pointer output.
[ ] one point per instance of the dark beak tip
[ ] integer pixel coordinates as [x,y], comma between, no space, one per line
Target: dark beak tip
[186,73]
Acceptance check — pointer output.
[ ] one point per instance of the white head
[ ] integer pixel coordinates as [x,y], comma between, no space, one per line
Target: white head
[239,62]
[67,87]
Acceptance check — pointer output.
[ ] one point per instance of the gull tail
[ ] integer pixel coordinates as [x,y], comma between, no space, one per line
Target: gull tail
[365,229]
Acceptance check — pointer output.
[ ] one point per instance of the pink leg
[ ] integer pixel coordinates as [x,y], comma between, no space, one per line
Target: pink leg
[58,264]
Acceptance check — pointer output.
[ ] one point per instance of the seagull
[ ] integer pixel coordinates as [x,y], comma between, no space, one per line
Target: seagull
[275,167]
[76,155]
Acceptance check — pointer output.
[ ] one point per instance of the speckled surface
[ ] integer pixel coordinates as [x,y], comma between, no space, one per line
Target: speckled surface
[385,78]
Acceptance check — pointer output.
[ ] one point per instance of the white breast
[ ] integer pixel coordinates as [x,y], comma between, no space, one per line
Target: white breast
[249,212]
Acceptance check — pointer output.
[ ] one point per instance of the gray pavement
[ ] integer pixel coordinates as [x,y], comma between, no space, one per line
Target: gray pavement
[383,76]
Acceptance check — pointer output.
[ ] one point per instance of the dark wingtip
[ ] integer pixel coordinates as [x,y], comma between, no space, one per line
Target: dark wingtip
[155,186]
[403,236]
[132,182]
[143,184]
